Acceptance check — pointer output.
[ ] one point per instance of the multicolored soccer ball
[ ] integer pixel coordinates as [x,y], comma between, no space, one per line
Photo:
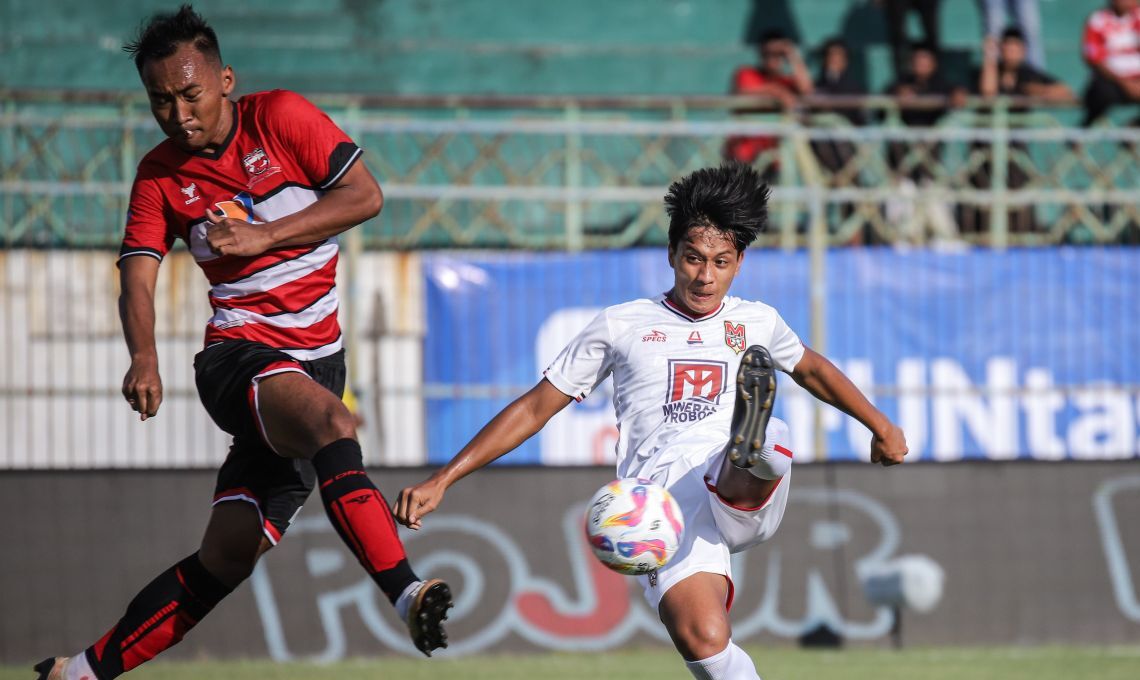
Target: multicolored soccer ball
[634,526]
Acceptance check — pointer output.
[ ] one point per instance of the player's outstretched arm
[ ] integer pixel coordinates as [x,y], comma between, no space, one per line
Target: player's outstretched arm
[142,385]
[828,384]
[356,197]
[513,425]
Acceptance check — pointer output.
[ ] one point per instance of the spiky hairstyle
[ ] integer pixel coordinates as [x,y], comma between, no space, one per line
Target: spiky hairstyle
[161,35]
[731,198]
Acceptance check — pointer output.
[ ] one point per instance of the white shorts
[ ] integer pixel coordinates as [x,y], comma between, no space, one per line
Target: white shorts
[713,528]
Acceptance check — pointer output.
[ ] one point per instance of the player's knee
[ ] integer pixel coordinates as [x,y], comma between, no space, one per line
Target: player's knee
[228,565]
[336,423]
[329,422]
[703,636]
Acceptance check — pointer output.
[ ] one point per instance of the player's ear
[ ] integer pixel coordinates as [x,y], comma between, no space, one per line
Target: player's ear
[672,252]
[228,80]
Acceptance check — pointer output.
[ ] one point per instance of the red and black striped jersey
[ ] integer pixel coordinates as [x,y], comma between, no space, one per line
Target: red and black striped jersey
[280,156]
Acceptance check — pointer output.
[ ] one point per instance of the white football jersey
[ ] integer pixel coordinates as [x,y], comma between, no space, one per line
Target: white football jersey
[674,375]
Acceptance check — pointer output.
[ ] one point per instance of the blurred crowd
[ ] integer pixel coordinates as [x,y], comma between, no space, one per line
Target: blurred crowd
[1012,63]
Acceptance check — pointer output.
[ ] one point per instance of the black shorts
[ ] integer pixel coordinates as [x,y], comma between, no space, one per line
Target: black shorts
[227,374]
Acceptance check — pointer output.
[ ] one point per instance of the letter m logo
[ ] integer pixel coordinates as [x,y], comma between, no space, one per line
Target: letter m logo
[696,380]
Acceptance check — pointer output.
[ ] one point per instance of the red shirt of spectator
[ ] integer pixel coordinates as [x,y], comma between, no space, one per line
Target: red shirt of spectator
[751,80]
[1113,41]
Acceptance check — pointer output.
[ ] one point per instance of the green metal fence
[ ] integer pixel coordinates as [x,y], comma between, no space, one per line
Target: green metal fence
[558,173]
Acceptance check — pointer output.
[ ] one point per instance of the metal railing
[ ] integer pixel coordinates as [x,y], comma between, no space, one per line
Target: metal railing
[582,173]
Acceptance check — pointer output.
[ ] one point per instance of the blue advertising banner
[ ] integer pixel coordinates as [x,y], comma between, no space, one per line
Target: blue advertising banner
[976,354]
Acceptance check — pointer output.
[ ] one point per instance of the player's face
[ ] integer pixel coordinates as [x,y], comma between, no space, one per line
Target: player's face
[704,264]
[187,92]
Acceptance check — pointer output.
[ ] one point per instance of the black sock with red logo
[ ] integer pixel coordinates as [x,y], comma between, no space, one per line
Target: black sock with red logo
[157,618]
[361,516]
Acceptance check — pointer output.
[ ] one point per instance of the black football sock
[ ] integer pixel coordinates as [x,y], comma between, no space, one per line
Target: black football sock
[157,618]
[361,516]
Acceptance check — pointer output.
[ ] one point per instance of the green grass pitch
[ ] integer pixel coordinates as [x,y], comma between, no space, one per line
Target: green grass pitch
[1003,663]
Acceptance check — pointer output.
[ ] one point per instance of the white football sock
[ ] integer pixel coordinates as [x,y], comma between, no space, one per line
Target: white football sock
[730,664]
[77,668]
[404,601]
[775,456]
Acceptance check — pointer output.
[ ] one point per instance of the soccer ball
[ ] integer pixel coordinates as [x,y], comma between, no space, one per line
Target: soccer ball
[633,526]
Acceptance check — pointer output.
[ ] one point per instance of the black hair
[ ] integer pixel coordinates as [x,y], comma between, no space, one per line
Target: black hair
[772,34]
[835,41]
[924,46]
[1013,32]
[161,35]
[731,198]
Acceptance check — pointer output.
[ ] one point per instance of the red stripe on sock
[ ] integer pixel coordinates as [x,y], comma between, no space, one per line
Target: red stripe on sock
[782,450]
[142,630]
[341,476]
[366,520]
[149,644]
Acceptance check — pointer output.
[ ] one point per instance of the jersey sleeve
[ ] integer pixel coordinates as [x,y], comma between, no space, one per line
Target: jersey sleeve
[1093,43]
[321,149]
[786,347]
[148,231]
[584,363]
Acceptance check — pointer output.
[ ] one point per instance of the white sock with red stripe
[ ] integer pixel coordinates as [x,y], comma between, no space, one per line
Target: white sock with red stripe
[775,456]
[730,664]
[77,668]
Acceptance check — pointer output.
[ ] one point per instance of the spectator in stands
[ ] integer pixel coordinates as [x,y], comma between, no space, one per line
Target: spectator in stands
[897,13]
[1005,72]
[837,78]
[914,162]
[781,74]
[922,80]
[835,74]
[998,14]
[1111,48]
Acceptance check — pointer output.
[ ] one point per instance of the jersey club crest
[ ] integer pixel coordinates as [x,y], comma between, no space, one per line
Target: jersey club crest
[256,161]
[734,337]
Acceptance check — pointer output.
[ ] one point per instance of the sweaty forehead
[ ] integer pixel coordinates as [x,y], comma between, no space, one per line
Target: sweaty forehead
[708,240]
[186,67]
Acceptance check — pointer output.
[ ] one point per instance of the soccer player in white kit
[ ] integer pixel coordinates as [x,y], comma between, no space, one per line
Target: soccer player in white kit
[694,381]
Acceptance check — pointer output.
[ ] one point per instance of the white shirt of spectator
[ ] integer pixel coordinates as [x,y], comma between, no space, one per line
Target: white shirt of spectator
[1114,41]
[674,375]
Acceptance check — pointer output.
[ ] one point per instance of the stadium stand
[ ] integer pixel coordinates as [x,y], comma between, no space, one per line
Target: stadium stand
[453,47]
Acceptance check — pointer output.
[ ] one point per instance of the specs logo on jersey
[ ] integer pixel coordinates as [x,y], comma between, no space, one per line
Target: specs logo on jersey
[255,162]
[694,390]
[655,336]
[191,193]
[695,338]
[734,337]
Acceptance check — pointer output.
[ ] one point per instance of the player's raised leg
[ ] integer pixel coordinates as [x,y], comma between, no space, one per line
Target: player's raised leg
[175,601]
[301,419]
[751,470]
[695,613]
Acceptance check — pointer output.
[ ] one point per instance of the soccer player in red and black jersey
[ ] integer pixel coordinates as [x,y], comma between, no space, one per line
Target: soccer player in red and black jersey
[258,188]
